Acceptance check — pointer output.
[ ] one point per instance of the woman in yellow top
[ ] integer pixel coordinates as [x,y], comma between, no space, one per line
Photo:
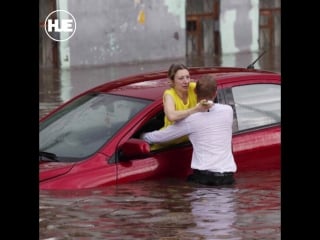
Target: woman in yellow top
[180,100]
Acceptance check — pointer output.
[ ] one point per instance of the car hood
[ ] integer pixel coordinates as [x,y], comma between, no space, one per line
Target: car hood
[49,170]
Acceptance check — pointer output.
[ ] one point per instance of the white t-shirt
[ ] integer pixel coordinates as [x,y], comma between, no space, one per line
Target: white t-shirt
[210,134]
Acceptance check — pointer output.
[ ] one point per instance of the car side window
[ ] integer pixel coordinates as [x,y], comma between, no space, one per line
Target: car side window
[155,123]
[257,105]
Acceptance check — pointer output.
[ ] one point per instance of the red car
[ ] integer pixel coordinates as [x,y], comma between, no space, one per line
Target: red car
[93,139]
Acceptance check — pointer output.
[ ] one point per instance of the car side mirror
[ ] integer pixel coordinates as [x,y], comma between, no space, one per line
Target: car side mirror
[134,147]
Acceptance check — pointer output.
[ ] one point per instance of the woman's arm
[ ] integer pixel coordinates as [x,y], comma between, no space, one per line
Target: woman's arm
[174,115]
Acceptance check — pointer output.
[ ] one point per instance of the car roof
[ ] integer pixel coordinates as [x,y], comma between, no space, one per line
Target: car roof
[151,85]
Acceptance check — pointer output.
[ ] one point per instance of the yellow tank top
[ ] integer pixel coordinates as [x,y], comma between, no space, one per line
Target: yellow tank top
[179,105]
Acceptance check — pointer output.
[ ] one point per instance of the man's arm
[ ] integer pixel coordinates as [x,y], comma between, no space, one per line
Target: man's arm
[174,131]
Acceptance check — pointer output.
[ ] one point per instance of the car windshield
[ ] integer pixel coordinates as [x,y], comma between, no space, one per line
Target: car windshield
[83,126]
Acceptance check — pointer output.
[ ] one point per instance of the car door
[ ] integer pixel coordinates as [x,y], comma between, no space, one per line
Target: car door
[172,161]
[257,120]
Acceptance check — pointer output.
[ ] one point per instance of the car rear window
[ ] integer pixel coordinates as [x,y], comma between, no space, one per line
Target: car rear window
[257,105]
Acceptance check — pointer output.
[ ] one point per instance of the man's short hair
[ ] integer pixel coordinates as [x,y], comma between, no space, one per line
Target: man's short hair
[206,87]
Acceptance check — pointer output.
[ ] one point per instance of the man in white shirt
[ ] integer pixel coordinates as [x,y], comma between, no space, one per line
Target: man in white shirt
[210,134]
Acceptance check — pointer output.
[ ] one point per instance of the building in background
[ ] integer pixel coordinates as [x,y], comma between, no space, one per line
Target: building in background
[126,31]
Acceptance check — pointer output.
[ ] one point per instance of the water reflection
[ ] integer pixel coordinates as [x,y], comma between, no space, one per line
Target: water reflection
[166,209]
[214,213]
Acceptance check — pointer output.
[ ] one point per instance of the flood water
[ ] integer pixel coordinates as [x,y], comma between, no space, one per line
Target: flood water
[167,209]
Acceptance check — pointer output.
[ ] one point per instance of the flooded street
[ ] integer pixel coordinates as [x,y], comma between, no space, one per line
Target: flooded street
[167,209]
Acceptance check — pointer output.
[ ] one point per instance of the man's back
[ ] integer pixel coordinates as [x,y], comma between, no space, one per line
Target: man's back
[211,136]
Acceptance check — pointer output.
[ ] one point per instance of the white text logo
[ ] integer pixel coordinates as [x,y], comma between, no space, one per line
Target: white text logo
[60,25]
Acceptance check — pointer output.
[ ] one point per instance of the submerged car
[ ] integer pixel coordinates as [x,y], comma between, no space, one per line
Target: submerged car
[93,140]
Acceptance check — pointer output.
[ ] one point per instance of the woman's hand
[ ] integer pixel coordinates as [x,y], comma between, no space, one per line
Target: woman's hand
[204,105]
